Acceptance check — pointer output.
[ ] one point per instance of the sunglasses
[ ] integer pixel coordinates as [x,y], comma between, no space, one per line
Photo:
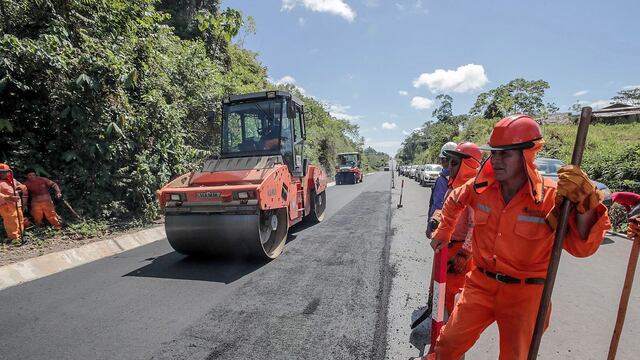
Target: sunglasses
[454,162]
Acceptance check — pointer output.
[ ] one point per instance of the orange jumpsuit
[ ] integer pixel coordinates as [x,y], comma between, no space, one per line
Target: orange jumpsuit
[41,203]
[462,234]
[511,239]
[12,219]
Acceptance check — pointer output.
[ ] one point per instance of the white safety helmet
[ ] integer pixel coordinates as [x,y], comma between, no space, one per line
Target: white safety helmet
[448,146]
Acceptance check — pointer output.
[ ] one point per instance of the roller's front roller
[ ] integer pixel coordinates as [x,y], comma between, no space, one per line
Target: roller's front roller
[258,236]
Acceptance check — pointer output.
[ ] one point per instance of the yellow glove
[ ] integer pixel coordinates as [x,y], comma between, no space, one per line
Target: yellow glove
[458,263]
[633,230]
[576,186]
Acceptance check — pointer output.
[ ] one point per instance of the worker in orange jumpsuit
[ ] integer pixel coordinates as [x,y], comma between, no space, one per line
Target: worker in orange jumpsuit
[514,225]
[11,204]
[41,203]
[464,162]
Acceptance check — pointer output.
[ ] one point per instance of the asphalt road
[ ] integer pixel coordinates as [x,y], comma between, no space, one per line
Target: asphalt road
[324,297]
[344,289]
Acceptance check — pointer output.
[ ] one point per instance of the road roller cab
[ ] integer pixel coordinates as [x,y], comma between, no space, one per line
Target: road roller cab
[242,203]
[348,168]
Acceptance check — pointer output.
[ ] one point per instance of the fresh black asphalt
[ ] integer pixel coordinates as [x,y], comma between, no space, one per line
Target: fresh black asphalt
[324,297]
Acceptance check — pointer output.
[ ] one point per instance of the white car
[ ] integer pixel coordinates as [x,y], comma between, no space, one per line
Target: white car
[429,174]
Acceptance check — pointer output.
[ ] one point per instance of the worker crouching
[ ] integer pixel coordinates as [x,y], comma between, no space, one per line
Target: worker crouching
[513,234]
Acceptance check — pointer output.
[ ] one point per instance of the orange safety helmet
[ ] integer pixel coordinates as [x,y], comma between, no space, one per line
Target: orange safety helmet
[514,132]
[471,157]
[511,133]
[466,150]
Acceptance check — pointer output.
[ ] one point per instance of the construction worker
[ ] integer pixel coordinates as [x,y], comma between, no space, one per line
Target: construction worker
[464,163]
[11,204]
[41,203]
[511,240]
[440,188]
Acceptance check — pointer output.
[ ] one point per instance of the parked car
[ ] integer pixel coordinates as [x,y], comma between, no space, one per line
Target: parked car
[549,167]
[411,173]
[429,174]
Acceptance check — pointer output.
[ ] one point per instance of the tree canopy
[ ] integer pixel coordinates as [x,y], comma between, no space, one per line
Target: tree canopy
[113,98]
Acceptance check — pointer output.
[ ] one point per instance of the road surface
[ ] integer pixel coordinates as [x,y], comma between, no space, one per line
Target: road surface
[347,288]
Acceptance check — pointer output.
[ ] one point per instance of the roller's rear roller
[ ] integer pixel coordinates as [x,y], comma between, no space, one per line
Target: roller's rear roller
[258,236]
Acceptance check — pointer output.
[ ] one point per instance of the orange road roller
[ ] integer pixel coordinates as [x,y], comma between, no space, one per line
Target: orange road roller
[242,203]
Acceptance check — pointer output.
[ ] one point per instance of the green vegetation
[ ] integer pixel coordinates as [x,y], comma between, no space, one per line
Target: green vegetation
[112,98]
[373,160]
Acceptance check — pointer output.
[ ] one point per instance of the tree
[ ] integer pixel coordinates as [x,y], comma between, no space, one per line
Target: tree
[628,96]
[517,96]
[445,110]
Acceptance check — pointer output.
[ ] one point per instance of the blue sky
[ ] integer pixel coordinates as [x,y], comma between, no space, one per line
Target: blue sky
[380,63]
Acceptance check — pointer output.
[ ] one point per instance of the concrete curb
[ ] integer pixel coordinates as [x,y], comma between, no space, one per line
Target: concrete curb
[45,265]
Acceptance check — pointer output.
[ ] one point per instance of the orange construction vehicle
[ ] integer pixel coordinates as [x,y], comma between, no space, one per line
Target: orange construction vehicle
[243,203]
[348,168]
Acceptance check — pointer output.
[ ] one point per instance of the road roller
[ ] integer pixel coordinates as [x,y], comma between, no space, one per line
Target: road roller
[348,168]
[243,202]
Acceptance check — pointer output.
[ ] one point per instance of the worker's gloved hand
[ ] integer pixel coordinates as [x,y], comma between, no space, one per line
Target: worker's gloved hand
[59,196]
[574,185]
[437,215]
[633,230]
[458,263]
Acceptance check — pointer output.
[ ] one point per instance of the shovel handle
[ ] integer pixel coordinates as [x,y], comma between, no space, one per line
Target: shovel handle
[556,251]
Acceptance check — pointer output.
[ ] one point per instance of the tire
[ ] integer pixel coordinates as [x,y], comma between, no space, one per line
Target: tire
[318,207]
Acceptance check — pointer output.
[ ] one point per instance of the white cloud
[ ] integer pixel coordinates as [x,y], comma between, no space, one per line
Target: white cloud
[340,111]
[631,87]
[302,21]
[389,126]
[405,132]
[419,102]
[464,78]
[336,7]
[286,80]
[581,93]
[400,7]
[403,92]
[599,104]
[289,80]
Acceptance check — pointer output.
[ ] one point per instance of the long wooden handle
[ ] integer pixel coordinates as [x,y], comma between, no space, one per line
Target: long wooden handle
[624,298]
[576,159]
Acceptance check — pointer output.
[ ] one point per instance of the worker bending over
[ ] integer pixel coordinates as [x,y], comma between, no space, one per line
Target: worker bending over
[41,203]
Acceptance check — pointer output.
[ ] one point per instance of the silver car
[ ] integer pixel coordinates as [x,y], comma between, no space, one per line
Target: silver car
[429,174]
